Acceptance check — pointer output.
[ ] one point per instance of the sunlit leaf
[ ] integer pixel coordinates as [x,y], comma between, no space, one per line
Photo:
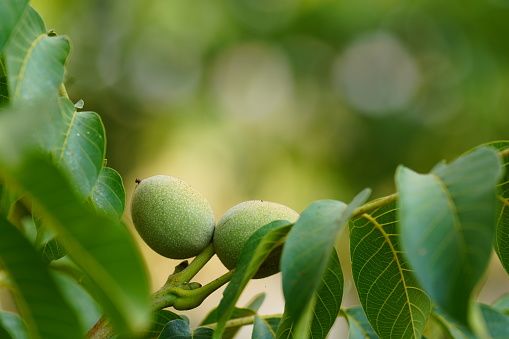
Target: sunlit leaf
[254,253]
[308,248]
[108,194]
[11,12]
[389,292]
[39,299]
[80,153]
[265,328]
[179,329]
[34,60]
[358,324]
[447,225]
[12,326]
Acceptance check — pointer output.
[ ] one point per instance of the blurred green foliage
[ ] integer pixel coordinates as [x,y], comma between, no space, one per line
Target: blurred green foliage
[284,99]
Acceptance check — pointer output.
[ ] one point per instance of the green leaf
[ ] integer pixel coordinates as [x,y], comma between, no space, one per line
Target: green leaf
[159,320]
[502,304]
[46,241]
[447,226]
[265,328]
[358,324]
[308,248]
[12,326]
[256,302]
[102,248]
[389,292]
[52,250]
[254,253]
[285,328]
[80,153]
[7,198]
[39,299]
[179,329]
[87,310]
[452,328]
[35,60]
[328,298]
[250,310]
[496,322]
[4,86]
[11,12]
[325,310]
[108,194]
[237,313]
[502,236]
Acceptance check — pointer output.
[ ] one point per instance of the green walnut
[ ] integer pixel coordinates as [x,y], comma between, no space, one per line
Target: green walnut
[172,217]
[239,223]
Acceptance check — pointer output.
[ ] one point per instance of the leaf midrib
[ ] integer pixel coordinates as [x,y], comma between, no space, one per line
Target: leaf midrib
[460,238]
[23,67]
[400,269]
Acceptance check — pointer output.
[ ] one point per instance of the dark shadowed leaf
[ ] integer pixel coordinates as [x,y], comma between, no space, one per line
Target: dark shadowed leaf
[87,310]
[447,225]
[502,236]
[34,60]
[325,310]
[236,314]
[12,326]
[179,329]
[39,299]
[254,253]
[7,198]
[308,248]
[265,328]
[358,324]
[285,327]
[46,241]
[4,86]
[108,194]
[52,250]
[328,299]
[389,292]
[102,248]
[157,323]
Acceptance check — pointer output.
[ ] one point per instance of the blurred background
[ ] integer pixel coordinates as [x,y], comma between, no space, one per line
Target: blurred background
[289,101]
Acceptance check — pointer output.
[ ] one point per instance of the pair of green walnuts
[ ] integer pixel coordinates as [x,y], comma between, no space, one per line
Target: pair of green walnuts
[177,222]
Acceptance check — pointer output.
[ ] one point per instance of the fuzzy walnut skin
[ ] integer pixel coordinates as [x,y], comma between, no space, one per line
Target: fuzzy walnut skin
[240,222]
[172,217]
